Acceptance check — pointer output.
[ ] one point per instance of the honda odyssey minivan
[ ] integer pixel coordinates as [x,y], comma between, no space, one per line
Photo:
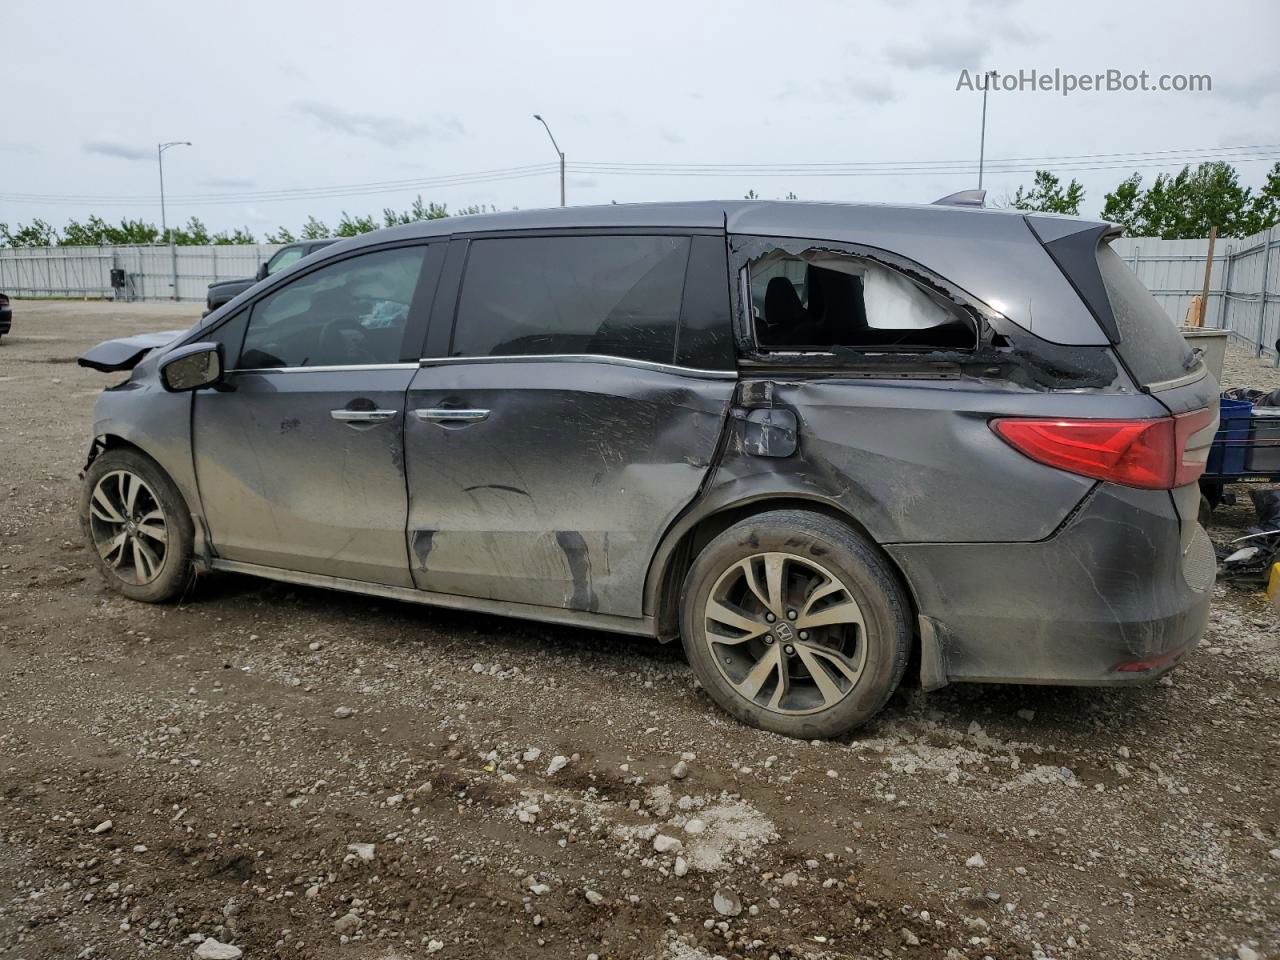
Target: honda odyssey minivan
[815,442]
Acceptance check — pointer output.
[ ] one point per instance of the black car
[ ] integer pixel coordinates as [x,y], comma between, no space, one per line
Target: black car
[816,441]
[6,315]
[226,290]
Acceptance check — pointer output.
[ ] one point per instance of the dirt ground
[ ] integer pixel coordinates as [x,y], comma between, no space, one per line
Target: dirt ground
[500,789]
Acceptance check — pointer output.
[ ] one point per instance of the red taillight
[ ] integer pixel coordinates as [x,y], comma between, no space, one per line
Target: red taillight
[1152,454]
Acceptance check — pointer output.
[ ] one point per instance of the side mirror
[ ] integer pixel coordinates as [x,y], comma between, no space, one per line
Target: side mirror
[262,272]
[191,367]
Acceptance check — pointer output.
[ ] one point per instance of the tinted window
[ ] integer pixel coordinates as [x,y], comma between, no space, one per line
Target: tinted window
[353,311]
[283,258]
[1150,345]
[822,300]
[613,296]
[230,333]
[705,339]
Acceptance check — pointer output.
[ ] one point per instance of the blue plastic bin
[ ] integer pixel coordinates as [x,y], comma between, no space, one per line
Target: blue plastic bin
[1231,442]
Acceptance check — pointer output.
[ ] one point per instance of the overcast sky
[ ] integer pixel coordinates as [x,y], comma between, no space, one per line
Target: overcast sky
[285,95]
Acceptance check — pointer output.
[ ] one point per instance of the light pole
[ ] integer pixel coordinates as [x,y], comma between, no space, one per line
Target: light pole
[982,142]
[559,152]
[164,224]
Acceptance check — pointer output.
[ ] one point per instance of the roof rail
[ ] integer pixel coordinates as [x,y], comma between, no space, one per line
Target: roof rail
[965,198]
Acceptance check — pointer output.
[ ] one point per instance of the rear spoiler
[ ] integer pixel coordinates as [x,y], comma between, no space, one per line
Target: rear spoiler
[964,198]
[1073,246]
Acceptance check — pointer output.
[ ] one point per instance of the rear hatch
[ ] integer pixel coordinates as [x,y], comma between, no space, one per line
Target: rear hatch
[1162,362]
[1147,341]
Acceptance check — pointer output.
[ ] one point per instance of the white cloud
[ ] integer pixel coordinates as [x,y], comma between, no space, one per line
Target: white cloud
[940,52]
[381,128]
[114,148]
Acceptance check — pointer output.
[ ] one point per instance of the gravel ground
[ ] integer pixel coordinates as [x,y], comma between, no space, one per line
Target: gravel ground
[307,774]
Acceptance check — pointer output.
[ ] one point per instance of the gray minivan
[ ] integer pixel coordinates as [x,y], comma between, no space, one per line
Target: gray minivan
[817,442]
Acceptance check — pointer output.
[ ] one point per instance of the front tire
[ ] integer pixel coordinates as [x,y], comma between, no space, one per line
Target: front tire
[138,526]
[795,624]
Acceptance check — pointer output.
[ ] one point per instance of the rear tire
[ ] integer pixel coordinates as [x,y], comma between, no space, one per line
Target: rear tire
[138,527]
[837,644]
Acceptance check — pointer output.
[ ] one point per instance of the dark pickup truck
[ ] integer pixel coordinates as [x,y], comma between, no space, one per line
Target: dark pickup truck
[225,290]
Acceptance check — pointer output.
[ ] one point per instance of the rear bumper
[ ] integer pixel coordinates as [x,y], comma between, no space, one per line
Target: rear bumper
[1113,597]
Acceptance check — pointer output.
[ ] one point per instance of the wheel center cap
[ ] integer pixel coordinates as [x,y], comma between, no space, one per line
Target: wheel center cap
[130,526]
[784,632]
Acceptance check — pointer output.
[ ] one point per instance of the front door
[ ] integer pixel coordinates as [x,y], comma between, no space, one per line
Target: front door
[300,458]
[550,451]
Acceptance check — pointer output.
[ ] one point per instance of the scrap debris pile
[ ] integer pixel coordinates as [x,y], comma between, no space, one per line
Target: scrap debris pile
[1248,559]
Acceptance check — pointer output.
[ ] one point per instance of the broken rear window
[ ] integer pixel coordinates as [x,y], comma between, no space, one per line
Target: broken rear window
[820,300]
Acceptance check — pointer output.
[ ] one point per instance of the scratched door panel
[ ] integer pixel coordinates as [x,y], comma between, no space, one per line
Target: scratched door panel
[559,495]
[285,484]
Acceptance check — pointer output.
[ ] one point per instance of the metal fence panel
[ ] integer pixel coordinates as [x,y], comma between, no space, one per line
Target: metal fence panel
[86,271]
[1242,282]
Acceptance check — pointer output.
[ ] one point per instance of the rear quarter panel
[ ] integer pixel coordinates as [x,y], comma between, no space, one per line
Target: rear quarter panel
[916,461]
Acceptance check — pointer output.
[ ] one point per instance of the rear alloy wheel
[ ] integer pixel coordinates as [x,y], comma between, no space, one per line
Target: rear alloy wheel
[795,624]
[138,525]
[785,633]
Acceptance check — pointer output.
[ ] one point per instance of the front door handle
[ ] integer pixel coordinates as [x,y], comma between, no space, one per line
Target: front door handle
[438,414]
[362,416]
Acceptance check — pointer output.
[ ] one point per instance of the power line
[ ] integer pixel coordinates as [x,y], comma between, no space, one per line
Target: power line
[336,190]
[1069,163]
[965,169]
[1136,155]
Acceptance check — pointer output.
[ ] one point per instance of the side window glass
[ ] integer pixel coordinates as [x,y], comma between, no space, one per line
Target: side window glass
[284,258]
[611,295]
[230,333]
[705,340]
[350,312]
[820,300]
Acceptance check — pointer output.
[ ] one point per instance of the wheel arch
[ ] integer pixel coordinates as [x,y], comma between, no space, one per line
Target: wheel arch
[108,440]
[677,550]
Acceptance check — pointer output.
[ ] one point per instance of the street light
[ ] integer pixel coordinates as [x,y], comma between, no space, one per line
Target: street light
[164,224]
[559,152]
[982,143]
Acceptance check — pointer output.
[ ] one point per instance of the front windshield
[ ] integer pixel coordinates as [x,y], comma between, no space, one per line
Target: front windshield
[283,259]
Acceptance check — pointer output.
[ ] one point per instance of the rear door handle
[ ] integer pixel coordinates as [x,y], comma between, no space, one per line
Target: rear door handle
[362,416]
[437,414]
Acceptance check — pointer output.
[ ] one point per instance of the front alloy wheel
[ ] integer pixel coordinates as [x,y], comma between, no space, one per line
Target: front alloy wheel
[785,633]
[128,527]
[138,525]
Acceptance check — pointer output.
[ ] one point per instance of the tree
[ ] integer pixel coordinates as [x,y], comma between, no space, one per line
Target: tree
[350,226]
[194,234]
[1264,211]
[1121,204]
[134,231]
[1048,196]
[92,233]
[283,235]
[1186,204]
[419,211]
[239,235]
[313,229]
[38,233]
